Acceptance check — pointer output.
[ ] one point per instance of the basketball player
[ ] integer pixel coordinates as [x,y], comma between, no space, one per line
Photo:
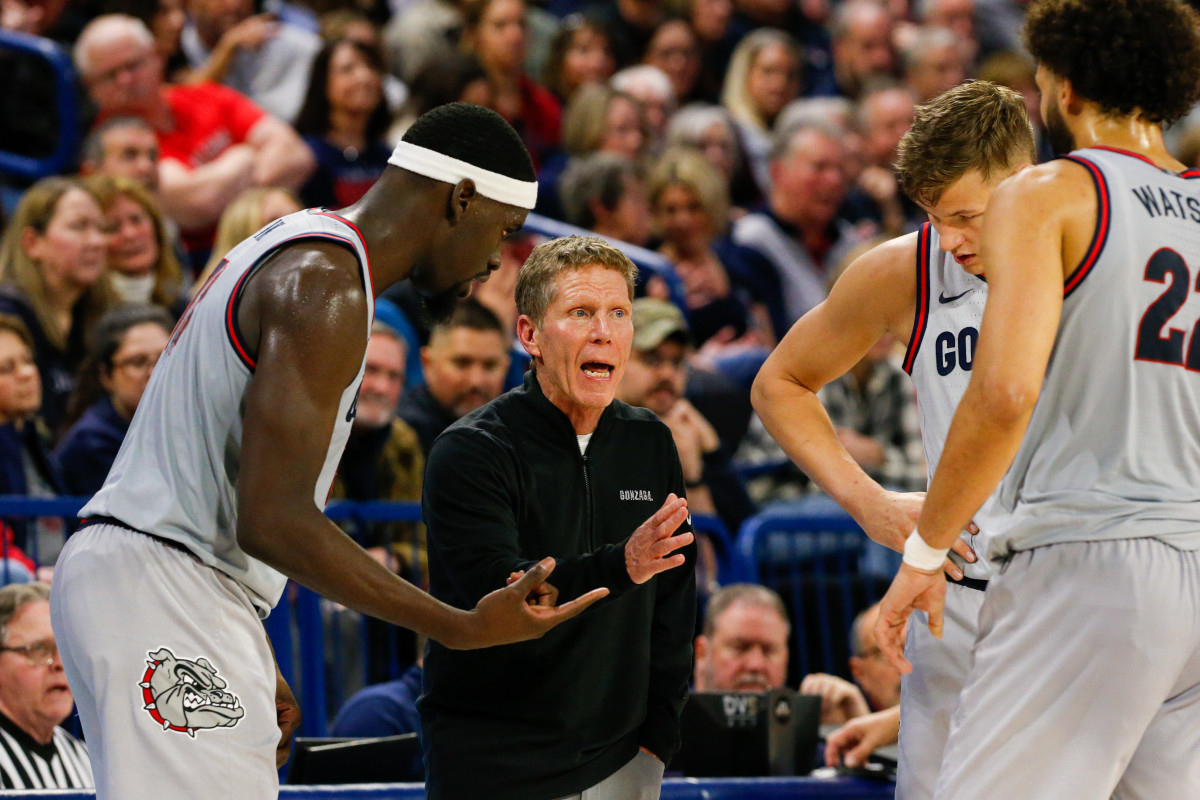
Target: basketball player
[215,498]
[1086,674]
[925,289]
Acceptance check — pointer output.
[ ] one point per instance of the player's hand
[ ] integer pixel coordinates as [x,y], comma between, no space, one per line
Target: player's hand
[911,590]
[508,615]
[852,743]
[544,595]
[287,714]
[841,700]
[648,551]
[890,523]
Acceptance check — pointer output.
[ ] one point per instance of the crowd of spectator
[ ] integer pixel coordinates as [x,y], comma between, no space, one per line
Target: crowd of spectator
[749,143]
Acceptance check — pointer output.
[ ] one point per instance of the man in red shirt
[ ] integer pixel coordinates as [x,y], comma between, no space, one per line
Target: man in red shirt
[214,142]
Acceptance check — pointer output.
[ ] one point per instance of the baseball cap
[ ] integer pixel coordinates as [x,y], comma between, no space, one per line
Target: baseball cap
[655,321]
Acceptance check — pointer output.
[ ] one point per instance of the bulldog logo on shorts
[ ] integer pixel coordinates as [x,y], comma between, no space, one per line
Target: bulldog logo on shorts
[184,696]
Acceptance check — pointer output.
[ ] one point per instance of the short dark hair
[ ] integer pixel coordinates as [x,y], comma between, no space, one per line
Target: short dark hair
[313,118]
[1127,56]
[476,135]
[92,151]
[602,177]
[472,314]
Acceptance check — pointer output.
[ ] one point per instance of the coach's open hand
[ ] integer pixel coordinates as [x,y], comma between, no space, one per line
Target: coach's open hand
[648,551]
[911,589]
[518,612]
[287,714]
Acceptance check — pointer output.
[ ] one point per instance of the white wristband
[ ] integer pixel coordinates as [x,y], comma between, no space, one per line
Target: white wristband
[920,555]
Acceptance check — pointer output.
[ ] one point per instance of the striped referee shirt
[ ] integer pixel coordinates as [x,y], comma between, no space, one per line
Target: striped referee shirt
[25,764]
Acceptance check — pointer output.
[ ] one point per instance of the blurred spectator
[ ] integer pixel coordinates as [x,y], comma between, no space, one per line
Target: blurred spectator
[956,16]
[716,38]
[25,464]
[606,194]
[383,459]
[165,19]
[884,116]
[691,212]
[875,675]
[496,33]
[142,267]
[763,77]
[743,647]
[249,212]
[651,87]
[464,364]
[452,78]
[999,23]
[631,24]
[656,377]
[255,54]
[675,50]
[35,753]
[421,34]
[862,47]
[581,53]
[933,63]
[799,234]
[214,142]
[874,412]
[600,119]
[344,120]
[125,345]
[125,147]
[52,277]
[352,24]
[710,131]
[1016,71]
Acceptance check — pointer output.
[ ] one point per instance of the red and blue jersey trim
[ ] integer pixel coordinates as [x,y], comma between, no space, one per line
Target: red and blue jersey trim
[1187,173]
[232,330]
[362,241]
[921,318]
[1103,222]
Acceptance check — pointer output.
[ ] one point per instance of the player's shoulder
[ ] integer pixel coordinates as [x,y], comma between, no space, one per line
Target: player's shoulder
[887,266]
[1060,177]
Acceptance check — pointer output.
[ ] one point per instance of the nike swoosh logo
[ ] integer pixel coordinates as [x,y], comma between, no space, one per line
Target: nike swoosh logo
[943,299]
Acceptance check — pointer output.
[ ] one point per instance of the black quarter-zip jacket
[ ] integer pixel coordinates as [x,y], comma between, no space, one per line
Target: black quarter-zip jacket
[506,486]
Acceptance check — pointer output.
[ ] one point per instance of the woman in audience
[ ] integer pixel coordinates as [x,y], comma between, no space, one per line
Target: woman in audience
[52,277]
[581,53]
[344,120]
[495,32]
[141,262]
[125,346]
[248,212]
[690,204]
[25,465]
[675,50]
[763,77]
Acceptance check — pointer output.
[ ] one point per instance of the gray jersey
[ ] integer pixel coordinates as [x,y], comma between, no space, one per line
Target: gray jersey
[941,352]
[1113,446]
[176,474]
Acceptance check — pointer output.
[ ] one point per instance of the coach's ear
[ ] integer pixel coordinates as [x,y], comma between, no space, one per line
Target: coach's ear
[527,335]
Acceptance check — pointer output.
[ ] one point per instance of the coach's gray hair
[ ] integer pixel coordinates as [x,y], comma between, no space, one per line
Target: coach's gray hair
[750,594]
[537,282]
[14,597]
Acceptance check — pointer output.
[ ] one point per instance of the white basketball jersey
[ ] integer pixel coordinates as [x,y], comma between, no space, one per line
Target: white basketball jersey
[176,474]
[941,353]
[1113,446]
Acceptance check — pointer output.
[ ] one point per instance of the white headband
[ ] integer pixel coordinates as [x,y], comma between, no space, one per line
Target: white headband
[442,167]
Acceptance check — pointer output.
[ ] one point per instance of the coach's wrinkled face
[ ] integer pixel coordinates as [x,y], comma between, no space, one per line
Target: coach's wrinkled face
[582,344]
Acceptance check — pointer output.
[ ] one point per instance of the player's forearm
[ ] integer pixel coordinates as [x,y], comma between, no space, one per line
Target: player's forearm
[980,446]
[794,416]
[318,555]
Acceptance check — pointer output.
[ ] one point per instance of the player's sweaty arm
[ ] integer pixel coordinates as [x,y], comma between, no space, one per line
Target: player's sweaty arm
[304,315]
[876,294]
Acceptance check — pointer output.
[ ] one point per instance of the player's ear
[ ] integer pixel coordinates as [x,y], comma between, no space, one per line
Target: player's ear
[1072,101]
[462,195]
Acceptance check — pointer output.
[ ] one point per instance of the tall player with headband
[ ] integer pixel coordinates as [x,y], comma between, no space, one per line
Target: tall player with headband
[1084,409]
[215,499]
